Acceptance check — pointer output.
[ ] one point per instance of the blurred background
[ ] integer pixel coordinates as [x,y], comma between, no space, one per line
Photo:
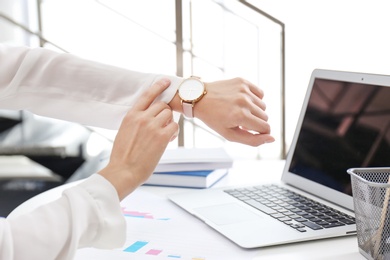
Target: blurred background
[274,44]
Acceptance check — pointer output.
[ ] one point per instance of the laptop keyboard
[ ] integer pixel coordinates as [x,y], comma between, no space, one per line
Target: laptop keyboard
[291,208]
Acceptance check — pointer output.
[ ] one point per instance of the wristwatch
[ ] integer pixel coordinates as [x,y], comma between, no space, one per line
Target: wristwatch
[190,91]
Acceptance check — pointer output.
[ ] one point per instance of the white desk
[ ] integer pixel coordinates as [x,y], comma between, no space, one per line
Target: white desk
[242,173]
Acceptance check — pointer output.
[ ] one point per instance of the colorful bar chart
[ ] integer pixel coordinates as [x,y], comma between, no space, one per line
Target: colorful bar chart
[139,247]
[153,252]
[137,214]
[136,246]
[133,248]
[156,229]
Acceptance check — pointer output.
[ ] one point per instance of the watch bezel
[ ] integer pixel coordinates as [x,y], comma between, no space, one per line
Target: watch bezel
[202,93]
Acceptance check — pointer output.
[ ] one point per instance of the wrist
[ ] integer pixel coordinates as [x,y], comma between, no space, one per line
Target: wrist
[175,104]
[202,107]
[123,181]
[190,92]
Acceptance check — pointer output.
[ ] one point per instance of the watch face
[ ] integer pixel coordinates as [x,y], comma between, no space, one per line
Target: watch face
[191,90]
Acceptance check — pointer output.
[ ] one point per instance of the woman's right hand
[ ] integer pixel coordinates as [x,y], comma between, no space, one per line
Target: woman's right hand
[142,138]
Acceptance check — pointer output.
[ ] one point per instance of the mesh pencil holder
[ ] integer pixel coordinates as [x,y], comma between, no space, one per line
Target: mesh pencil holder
[371,196]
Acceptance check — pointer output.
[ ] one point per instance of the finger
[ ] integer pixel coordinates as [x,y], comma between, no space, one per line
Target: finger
[164,118]
[255,94]
[169,131]
[254,123]
[257,101]
[255,89]
[147,98]
[176,134]
[253,139]
[255,108]
[173,130]
[157,107]
[258,112]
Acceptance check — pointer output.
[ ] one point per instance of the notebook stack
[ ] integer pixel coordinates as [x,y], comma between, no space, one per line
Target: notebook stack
[191,168]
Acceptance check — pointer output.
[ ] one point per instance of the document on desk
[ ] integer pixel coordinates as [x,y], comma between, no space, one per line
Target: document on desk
[157,229]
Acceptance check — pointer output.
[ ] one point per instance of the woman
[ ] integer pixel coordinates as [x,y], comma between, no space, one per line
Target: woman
[141,106]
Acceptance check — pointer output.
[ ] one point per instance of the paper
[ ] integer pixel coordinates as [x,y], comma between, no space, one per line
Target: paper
[190,179]
[158,229]
[194,159]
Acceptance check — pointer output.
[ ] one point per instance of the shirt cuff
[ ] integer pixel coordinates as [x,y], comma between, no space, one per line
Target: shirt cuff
[112,227]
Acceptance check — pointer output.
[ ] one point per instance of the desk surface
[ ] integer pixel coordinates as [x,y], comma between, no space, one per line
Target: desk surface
[243,173]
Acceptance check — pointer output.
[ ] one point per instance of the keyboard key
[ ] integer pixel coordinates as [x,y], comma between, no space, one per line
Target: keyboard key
[311,225]
[291,208]
[260,206]
[337,224]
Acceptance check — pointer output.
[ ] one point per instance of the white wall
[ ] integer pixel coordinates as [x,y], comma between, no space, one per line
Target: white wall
[23,12]
[6,6]
[352,35]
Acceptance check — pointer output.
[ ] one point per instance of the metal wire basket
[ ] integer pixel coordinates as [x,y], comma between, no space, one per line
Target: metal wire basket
[371,195]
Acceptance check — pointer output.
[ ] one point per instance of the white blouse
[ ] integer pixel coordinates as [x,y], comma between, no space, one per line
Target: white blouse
[66,87]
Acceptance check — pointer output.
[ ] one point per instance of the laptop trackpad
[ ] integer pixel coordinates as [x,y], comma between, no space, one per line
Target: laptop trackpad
[226,214]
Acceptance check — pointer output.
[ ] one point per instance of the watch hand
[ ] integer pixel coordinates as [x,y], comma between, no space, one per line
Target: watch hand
[190,92]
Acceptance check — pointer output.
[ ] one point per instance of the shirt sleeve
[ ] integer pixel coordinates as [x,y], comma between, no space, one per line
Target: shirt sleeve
[66,87]
[87,215]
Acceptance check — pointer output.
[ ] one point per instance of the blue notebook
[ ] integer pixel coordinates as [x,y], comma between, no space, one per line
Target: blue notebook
[187,179]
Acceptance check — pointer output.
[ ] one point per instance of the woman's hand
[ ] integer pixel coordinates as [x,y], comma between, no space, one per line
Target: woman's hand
[141,140]
[235,109]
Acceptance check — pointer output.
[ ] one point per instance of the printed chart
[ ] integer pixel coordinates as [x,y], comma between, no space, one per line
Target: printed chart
[139,245]
[147,248]
[158,229]
[138,214]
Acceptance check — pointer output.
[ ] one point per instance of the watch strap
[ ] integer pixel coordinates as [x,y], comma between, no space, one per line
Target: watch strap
[188,109]
[188,105]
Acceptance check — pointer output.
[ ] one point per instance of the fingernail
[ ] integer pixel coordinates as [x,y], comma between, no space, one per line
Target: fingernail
[175,135]
[271,140]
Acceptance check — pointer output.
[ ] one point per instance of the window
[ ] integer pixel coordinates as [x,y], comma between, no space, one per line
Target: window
[226,39]
[219,39]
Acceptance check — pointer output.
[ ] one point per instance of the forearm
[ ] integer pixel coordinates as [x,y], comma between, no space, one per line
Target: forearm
[51,84]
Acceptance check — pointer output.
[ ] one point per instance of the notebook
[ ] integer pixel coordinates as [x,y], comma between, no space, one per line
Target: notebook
[344,123]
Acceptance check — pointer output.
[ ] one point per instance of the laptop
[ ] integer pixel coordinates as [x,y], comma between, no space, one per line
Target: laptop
[344,123]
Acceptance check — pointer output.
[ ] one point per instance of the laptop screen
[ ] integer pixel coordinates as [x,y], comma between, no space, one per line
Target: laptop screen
[345,125]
